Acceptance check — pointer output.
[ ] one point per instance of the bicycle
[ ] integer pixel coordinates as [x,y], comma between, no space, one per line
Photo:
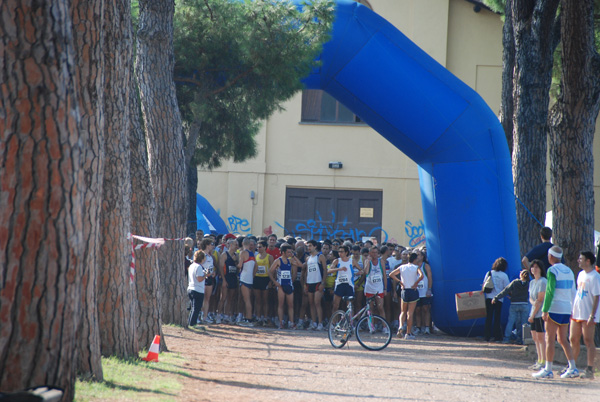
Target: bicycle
[372,331]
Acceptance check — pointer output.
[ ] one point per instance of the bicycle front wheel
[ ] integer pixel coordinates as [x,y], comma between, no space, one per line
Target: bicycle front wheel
[339,329]
[373,332]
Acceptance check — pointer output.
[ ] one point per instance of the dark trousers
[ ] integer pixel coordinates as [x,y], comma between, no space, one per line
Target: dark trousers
[492,320]
[197,299]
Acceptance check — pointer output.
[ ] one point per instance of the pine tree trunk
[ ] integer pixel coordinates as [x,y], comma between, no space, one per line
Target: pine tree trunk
[533,33]
[87,32]
[572,127]
[192,177]
[41,177]
[116,307]
[507,107]
[143,212]
[154,67]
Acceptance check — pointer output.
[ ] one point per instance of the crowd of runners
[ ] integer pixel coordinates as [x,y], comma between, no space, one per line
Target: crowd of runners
[292,283]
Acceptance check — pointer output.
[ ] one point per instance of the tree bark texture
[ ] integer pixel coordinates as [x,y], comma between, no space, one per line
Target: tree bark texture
[41,180]
[143,212]
[507,107]
[533,24]
[154,67]
[572,127]
[87,33]
[192,177]
[116,304]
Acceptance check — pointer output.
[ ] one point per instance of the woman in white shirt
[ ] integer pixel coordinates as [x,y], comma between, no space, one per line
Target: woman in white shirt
[492,319]
[195,289]
[537,291]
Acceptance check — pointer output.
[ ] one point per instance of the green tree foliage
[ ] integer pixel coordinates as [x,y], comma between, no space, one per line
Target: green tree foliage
[236,63]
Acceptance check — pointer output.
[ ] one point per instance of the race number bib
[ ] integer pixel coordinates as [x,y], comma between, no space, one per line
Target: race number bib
[232,269]
[421,285]
[286,275]
[343,279]
[261,270]
[376,279]
[210,270]
[312,268]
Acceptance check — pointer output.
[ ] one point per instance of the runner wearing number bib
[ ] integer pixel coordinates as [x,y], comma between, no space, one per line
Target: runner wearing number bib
[261,281]
[344,282]
[247,263]
[207,246]
[282,273]
[376,281]
[315,283]
[229,271]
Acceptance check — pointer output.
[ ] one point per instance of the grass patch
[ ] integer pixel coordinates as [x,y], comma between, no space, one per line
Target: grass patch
[134,379]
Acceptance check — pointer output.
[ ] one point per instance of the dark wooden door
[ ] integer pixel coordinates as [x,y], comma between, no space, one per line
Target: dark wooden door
[325,213]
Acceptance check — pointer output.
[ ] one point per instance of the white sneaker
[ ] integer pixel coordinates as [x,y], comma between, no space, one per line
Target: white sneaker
[570,373]
[320,327]
[313,326]
[219,318]
[409,337]
[416,331]
[386,330]
[239,318]
[426,332]
[543,374]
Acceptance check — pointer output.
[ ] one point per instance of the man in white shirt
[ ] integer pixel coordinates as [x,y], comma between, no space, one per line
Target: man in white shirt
[585,310]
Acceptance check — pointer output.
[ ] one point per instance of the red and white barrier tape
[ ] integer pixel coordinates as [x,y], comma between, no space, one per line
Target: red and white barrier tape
[149,242]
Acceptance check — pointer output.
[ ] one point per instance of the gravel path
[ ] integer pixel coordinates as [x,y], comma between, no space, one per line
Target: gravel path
[247,364]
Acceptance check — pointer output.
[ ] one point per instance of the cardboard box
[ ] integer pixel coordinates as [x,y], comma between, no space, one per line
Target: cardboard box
[470,305]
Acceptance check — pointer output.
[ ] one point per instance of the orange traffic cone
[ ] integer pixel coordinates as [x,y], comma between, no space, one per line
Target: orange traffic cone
[154,349]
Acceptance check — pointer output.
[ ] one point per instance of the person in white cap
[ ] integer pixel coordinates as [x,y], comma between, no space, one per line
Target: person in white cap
[556,312]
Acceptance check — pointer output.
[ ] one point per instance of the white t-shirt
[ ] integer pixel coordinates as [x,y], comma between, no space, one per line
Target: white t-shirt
[588,286]
[408,275]
[194,271]
[394,263]
[536,287]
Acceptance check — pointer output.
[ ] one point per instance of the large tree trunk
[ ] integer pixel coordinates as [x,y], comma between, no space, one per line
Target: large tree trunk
[507,107]
[116,307]
[88,35]
[143,212]
[155,64]
[41,177]
[533,32]
[192,177]
[572,126]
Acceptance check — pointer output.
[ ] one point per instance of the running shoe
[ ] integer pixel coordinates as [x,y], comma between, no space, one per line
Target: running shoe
[543,374]
[246,323]
[292,327]
[570,373]
[564,369]
[536,366]
[409,337]
[588,374]
[427,332]
[386,330]
[219,318]
[416,331]
[208,320]
[320,327]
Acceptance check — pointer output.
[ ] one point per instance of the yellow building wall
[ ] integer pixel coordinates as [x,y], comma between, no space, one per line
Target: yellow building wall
[295,154]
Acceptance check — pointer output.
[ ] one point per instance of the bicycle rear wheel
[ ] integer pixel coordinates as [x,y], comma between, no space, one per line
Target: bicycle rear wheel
[373,332]
[339,329]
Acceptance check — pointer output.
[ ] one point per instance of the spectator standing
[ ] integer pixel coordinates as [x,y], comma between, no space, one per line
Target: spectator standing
[493,311]
[518,291]
[195,289]
[537,291]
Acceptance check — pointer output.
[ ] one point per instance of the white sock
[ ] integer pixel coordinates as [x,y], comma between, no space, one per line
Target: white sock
[572,365]
[548,366]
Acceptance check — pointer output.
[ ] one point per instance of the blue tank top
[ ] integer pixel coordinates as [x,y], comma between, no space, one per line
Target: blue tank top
[284,273]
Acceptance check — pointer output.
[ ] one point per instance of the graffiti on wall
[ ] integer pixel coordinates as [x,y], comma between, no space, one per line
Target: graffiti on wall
[416,234]
[320,229]
[238,226]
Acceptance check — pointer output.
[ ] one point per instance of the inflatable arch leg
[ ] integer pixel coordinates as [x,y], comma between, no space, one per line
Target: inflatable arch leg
[448,130]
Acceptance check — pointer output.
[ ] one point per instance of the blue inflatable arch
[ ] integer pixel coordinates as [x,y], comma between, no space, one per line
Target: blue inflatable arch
[448,130]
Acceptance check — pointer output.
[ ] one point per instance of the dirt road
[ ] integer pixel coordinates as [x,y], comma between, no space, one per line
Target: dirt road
[246,364]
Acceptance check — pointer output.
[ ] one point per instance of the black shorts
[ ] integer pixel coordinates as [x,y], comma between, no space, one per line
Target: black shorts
[261,282]
[232,281]
[409,295]
[538,325]
[210,281]
[425,301]
[328,294]
[287,289]
[343,289]
[313,287]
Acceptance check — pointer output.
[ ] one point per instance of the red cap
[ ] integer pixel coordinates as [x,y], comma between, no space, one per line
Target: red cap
[229,236]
